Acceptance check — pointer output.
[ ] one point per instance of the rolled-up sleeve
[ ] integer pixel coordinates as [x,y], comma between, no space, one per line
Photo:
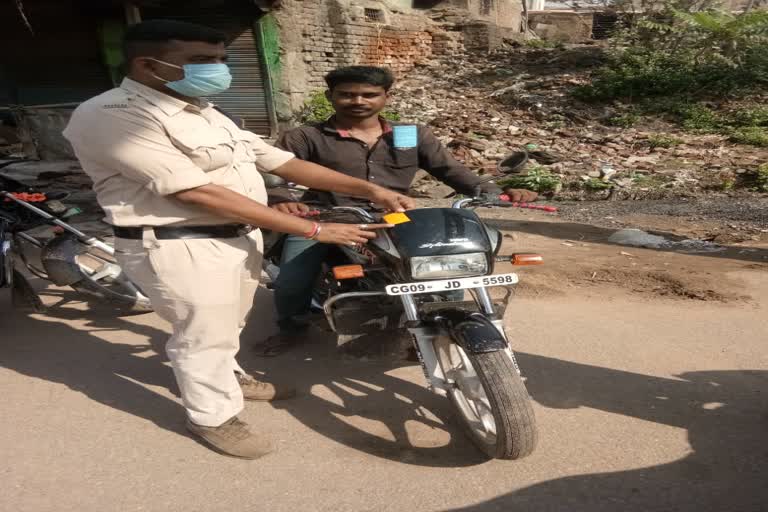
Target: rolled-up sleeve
[134,145]
[269,158]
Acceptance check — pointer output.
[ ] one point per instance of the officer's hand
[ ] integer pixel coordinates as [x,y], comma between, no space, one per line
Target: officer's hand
[392,200]
[299,209]
[520,195]
[348,234]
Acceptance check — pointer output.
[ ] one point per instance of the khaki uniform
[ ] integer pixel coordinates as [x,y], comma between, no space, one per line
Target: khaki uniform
[140,146]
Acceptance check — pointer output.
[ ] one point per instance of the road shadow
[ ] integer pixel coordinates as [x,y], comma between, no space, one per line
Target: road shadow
[356,402]
[599,235]
[726,416]
[115,374]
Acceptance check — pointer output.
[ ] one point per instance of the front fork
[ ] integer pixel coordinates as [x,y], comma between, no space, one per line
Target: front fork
[424,336]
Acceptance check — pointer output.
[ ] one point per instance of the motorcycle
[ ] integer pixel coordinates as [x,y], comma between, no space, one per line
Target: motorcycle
[70,258]
[404,275]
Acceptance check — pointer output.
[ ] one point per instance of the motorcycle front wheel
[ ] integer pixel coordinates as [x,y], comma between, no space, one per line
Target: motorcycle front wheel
[490,398]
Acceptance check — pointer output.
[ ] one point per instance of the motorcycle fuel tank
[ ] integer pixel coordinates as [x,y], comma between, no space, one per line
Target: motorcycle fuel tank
[440,231]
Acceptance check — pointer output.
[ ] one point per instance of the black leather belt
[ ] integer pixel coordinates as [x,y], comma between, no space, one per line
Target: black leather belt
[184,232]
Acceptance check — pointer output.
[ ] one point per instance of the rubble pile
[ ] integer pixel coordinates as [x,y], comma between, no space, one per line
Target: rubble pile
[484,107]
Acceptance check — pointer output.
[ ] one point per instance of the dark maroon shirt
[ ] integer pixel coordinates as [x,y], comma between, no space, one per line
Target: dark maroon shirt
[382,164]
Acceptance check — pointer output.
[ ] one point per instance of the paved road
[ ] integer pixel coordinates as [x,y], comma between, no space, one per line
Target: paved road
[642,406]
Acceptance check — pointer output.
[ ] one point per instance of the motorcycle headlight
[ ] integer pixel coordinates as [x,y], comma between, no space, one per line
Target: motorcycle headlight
[441,267]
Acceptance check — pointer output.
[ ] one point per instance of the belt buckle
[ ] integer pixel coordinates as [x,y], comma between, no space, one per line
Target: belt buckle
[244,229]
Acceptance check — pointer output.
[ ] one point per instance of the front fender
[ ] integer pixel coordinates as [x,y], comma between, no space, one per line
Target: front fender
[473,331]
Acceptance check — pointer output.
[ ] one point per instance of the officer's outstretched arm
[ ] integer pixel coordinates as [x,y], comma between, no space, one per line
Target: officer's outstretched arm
[321,178]
[228,204]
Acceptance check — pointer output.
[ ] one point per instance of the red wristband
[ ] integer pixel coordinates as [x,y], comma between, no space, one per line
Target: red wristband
[313,233]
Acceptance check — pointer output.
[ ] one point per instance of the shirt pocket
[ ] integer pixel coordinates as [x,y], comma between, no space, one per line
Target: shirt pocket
[209,149]
[243,142]
[404,158]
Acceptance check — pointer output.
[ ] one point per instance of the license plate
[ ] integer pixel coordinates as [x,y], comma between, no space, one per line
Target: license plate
[448,285]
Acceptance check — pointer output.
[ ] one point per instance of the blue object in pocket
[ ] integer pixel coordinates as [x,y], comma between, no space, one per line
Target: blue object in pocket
[405,136]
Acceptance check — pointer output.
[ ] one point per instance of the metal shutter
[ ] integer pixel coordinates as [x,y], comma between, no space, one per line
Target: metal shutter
[247,98]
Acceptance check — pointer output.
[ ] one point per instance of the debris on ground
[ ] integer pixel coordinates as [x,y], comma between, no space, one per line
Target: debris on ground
[486,107]
[639,238]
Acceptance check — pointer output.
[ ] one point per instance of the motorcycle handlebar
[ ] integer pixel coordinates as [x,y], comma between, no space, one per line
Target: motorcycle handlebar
[502,201]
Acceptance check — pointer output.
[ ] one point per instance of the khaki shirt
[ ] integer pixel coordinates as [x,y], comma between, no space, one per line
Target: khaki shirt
[139,146]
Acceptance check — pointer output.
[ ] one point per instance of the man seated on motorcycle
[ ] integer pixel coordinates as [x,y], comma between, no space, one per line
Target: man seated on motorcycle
[358,142]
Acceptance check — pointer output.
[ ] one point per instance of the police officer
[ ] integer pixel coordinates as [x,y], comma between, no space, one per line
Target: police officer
[179,182]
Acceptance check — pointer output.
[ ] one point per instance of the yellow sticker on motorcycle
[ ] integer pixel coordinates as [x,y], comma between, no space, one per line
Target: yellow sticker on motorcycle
[396,218]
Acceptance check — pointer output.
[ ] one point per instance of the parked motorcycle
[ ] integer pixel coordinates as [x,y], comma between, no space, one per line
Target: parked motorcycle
[70,258]
[403,276]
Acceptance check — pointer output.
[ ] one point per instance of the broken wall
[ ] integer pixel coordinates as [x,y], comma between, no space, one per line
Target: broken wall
[502,13]
[562,26]
[317,36]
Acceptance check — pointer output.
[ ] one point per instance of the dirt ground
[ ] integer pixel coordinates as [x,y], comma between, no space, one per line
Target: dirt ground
[648,371]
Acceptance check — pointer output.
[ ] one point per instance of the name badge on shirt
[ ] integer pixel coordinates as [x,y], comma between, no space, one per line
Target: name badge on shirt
[405,136]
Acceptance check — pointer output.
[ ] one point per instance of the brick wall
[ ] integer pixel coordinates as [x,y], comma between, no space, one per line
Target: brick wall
[317,36]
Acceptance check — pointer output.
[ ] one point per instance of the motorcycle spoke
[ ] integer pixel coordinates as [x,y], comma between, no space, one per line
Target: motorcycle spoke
[486,416]
[470,385]
[468,390]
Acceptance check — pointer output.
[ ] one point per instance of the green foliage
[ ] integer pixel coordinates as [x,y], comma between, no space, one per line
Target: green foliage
[596,184]
[391,115]
[317,109]
[627,120]
[537,179]
[663,141]
[757,116]
[698,117]
[649,181]
[728,184]
[540,43]
[671,50]
[742,126]
[751,135]
[761,178]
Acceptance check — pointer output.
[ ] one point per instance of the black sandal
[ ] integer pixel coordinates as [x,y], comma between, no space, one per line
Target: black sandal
[277,345]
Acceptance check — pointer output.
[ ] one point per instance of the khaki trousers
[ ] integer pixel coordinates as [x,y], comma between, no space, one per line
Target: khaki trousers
[205,289]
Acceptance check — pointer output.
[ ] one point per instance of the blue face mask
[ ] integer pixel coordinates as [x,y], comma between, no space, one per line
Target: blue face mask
[200,79]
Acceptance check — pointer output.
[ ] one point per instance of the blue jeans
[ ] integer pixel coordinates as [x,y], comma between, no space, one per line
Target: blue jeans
[300,266]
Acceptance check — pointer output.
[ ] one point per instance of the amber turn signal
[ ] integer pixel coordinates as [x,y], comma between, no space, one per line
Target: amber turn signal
[527,259]
[348,272]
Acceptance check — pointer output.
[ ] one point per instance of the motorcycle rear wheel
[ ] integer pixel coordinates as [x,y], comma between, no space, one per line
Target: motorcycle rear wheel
[490,399]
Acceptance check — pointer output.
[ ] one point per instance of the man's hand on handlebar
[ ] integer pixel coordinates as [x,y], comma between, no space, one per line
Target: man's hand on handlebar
[519,195]
[293,208]
[390,200]
[348,234]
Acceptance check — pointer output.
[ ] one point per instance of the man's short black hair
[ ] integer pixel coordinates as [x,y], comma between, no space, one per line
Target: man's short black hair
[371,75]
[149,38]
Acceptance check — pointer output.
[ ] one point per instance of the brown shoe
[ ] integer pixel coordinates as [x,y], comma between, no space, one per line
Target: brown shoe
[263,391]
[232,438]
